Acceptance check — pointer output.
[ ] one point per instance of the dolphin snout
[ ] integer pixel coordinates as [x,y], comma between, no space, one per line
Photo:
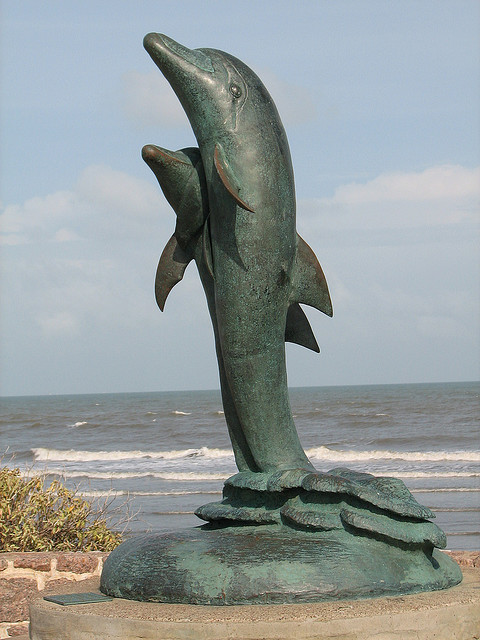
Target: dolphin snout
[153,42]
[162,48]
[149,153]
[149,41]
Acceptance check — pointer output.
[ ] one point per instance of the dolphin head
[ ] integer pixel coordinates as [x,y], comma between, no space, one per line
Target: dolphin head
[212,86]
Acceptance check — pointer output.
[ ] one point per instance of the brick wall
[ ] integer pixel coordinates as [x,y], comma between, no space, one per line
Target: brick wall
[23,575]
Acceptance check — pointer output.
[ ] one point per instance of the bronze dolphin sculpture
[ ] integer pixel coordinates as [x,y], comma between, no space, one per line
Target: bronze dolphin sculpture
[235,205]
[316,536]
[234,198]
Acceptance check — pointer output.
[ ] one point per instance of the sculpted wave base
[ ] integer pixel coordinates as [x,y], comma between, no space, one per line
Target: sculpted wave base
[289,537]
[269,565]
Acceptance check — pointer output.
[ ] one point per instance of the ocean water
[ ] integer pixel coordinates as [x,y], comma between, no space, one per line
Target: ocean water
[158,456]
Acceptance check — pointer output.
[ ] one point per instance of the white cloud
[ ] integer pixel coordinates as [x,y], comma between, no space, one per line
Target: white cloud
[91,256]
[438,326]
[450,182]
[442,196]
[58,323]
[149,100]
[100,185]
[12,239]
[85,294]
[65,235]
[294,103]
[105,203]
[86,277]
[19,222]
[400,253]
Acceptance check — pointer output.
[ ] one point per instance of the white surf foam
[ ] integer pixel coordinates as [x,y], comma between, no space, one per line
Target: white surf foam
[117,492]
[456,510]
[433,474]
[447,490]
[315,453]
[196,476]
[125,475]
[72,455]
[173,513]
[462,533]
[324,453]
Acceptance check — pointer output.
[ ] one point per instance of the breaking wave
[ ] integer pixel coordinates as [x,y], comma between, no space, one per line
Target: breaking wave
[324,453]
[315,453]
[131,494]
[195,476]
[189,476]
[71,455]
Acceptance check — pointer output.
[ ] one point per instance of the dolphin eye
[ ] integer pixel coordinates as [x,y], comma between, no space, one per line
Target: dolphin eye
[235,90]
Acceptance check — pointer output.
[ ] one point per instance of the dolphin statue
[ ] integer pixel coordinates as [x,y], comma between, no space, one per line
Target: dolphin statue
[235,198]
[235,204]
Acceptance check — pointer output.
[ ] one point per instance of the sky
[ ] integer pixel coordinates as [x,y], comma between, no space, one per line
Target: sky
[380,101]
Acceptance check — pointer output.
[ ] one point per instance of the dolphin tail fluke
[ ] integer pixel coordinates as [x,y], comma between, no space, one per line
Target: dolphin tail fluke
[309,285]
[170,270]
[298,328]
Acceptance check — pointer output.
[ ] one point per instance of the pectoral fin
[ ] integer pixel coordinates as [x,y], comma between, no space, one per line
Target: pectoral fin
[170,270]
[228,177]
[298,328]
[207,247]
[182,178]
[309,285]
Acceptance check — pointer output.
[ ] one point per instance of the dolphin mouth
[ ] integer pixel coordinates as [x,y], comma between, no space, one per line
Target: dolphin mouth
[161,47]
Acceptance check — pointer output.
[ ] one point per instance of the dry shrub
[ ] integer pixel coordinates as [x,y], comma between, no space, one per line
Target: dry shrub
[35,516]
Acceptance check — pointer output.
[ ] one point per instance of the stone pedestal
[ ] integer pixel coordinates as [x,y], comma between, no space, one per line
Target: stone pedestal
[450,614]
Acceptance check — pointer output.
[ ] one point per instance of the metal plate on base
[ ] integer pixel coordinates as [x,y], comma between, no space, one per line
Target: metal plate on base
[78,598]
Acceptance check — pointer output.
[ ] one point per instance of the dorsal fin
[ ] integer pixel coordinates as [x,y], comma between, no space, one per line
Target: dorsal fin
[309,285]
[170,270]
[228,177]
[182,179]
[298,328]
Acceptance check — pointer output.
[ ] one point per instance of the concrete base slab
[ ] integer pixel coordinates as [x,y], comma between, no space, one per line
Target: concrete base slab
[451,614]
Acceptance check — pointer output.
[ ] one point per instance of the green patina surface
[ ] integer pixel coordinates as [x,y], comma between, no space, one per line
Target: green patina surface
[283,532]
[269,565]
[235,204]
